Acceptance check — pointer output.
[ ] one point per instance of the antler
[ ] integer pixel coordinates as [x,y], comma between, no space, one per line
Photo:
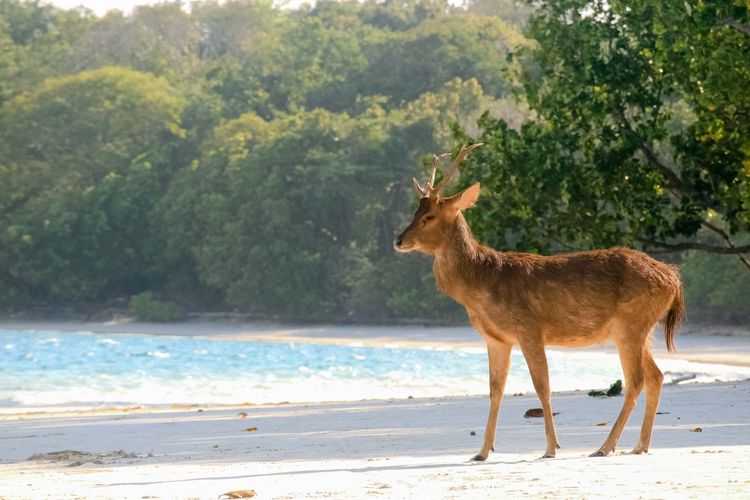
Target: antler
[427,191]
[431,189]
[462,154]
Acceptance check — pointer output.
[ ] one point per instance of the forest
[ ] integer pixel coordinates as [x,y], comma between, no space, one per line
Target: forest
[245,157]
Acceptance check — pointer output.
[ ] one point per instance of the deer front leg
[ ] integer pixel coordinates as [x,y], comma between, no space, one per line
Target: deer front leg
[536,359]
[499,358]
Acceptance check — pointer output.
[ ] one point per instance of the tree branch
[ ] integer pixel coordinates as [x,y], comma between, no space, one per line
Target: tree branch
[692,245]
[730,249]
[735,24]
[674,184]
[673,181]
[728,241]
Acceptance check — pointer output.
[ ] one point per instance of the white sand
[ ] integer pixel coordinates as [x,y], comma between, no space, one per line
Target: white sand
[389,449]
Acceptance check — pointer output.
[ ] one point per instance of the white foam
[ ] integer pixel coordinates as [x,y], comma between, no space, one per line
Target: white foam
[107,342]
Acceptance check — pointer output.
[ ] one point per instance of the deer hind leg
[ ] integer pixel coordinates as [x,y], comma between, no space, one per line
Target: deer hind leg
[653,381]
[631,357]
[536,359]
[499,357]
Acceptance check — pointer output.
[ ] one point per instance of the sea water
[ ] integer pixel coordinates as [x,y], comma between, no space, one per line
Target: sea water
[62,368]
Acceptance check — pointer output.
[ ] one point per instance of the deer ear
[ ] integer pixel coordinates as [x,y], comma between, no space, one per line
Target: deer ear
[466,198]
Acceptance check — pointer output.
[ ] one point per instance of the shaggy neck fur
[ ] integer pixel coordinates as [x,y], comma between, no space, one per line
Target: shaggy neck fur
[461,259]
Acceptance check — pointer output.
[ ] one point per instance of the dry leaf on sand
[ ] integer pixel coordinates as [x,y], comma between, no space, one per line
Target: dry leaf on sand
[238,494]
[536,413]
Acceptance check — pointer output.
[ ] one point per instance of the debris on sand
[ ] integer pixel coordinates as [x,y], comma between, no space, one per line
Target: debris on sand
[77,458]
[614,390]
[697,429]
[536,413]
[677,380]
[238,494]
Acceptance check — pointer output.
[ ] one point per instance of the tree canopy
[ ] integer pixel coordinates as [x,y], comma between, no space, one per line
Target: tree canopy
[240,156]
[235,156]
[640,133]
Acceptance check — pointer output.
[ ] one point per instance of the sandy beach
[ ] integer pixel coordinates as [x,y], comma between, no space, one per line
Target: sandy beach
[404,448]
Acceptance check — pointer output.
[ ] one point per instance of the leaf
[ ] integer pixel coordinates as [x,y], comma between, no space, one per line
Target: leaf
[251,429]
[536,413]
[238,494]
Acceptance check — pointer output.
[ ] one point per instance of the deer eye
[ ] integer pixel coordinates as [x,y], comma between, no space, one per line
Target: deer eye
[428,218]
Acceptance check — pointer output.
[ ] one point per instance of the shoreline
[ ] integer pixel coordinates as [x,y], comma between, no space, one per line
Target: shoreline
[720,345]
[381,448]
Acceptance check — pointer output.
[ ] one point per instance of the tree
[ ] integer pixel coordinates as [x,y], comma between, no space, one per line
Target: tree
[423,58]
[160,39]
[233,27]
[84,159]
[36,41]
[642,133]
[233,155]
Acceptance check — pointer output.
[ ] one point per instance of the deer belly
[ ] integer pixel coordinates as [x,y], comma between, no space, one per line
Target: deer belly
[577,334]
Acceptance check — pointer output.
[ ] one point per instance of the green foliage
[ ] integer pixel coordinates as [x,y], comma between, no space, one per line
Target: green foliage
[275,216]
[614,390]
[715,283]
[41,38]
[91,123]
[606,160]
[84,160]
[146,307]
[236,156]
[161,39]
[440,49]
[242,156]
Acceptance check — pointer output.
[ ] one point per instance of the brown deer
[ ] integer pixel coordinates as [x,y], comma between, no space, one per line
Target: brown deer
[569,300]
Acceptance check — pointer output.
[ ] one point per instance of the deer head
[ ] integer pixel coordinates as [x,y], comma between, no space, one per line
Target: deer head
[436,215]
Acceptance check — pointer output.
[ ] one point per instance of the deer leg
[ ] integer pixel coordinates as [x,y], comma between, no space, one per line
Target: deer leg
[499,358]
[632,369]
[653,381]
[536,359]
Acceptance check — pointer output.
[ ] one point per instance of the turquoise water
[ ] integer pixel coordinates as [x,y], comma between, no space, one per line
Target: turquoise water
[57,368]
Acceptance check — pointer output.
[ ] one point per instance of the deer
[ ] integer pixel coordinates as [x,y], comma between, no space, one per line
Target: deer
[569,300]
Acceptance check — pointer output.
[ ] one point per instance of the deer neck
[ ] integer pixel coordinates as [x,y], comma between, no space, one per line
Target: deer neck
[455,259]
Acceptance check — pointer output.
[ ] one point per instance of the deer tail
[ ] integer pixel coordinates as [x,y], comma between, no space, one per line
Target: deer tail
[675,313]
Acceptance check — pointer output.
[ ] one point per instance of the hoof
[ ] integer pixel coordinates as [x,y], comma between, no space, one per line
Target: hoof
[599,453]
[547,455]
[638,451]
[478,458]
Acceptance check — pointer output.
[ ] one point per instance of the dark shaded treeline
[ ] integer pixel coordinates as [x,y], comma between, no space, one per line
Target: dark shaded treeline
[237,156]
